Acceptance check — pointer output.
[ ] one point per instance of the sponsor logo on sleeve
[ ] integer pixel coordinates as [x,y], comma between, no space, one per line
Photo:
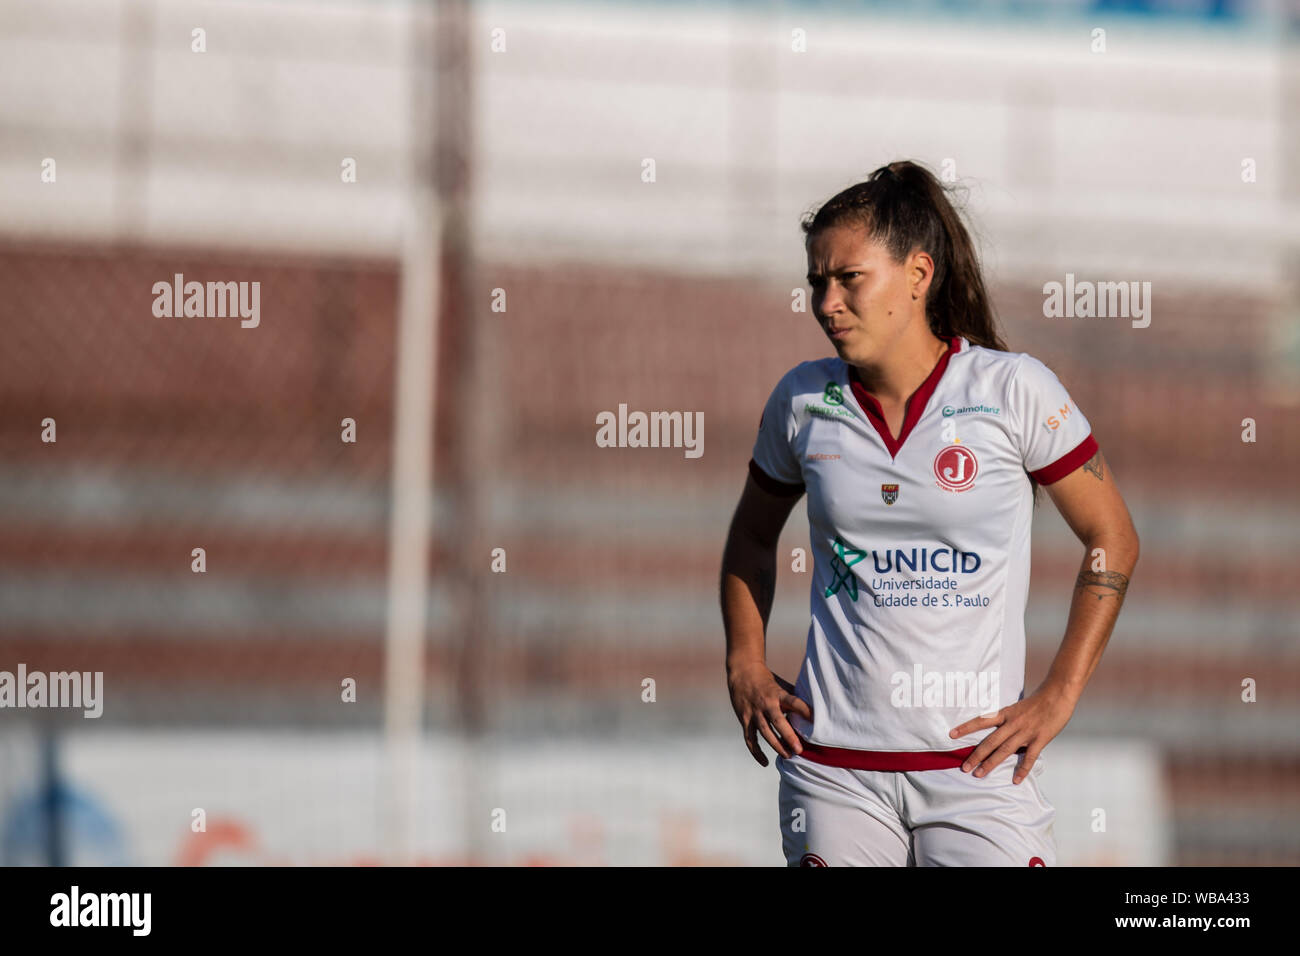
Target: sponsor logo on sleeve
[1053,422]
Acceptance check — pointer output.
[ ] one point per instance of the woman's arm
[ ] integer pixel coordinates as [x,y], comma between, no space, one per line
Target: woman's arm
[1091,504]
[759,697]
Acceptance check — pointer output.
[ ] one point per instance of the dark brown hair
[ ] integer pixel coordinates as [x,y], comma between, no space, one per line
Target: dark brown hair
[905,207]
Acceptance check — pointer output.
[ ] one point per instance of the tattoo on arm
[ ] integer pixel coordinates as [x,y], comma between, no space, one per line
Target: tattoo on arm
[1094,467]
[1103,583]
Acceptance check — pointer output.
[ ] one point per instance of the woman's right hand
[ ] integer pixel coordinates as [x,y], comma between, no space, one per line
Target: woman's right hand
[761,700]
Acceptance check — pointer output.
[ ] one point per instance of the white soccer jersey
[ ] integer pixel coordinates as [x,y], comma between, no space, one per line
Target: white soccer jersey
[921,545]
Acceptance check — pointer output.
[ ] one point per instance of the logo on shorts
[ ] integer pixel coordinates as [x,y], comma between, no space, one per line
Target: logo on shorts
[1033,861]
[955,468]
[833,394]
[812,859]
[889,493]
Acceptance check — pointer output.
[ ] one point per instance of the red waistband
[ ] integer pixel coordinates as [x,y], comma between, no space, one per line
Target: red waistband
[885,759]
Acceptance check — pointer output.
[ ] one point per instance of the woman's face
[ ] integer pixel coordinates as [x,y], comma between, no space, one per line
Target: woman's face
[863,300]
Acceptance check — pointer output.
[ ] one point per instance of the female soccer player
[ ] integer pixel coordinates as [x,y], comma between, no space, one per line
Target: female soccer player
[920,446]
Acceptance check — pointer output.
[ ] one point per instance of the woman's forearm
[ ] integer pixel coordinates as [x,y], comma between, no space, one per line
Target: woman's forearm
[1099,591]
[747,588]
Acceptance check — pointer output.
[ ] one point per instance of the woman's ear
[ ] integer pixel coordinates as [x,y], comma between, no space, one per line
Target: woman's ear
[920,267]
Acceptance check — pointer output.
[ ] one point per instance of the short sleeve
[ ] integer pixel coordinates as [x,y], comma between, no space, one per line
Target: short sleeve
[1053,434]
[774,466]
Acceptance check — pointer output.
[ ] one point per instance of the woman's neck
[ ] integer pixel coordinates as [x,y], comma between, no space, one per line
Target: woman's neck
[895,381]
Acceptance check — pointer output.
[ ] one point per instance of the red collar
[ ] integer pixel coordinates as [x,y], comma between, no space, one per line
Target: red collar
[914,406]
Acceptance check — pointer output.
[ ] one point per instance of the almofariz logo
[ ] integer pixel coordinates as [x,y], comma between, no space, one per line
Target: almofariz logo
[949,411]
[652,430]
[218,300]
[35,689]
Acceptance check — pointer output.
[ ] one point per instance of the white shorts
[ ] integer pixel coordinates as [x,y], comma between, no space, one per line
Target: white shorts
[835,816]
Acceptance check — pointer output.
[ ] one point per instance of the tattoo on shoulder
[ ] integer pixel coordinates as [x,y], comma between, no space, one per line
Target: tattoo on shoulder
[1094,467]
[1103,583]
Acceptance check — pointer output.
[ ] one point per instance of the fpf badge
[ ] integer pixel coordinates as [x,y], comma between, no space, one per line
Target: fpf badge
[889,493]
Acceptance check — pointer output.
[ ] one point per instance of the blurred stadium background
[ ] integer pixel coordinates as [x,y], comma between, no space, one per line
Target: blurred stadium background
[500,146]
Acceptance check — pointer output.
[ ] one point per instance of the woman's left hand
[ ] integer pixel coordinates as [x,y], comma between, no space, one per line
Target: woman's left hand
[1025,726]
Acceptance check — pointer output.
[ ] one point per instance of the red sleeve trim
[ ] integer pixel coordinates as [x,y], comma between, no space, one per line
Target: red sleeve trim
[771,485]
[1066,463]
